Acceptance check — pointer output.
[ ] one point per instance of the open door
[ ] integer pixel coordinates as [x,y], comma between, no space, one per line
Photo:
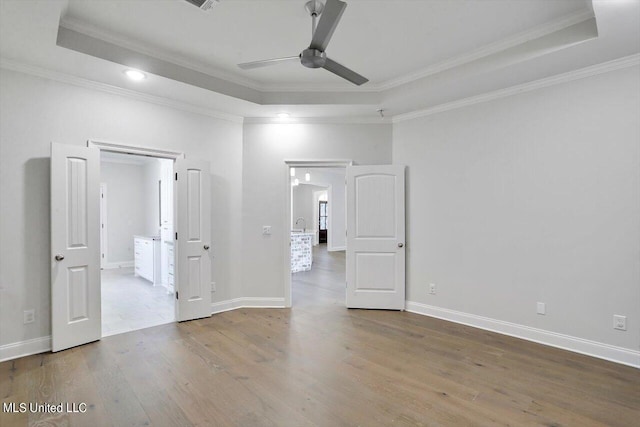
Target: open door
[75,246]
[193,234]
[375,237]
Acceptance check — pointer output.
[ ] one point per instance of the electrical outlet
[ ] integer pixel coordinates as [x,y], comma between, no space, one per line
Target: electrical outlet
[29,316]
[432,288]
[619,322]
[266,230]
[213,286]
[541,308]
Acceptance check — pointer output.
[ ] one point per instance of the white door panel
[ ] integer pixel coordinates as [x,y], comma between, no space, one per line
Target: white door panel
[375,237]
[193,220]
[75,245]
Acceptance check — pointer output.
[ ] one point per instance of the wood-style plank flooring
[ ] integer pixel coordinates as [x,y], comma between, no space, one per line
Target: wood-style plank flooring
[319,364]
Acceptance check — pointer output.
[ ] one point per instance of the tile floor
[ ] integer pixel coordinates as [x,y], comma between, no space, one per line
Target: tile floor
[130,303]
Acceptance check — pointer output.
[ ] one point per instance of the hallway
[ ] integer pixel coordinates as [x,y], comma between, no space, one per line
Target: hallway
[324,284]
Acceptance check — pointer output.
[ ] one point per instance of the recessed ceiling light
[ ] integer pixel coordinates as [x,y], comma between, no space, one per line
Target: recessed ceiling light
[135,75]
[283,115]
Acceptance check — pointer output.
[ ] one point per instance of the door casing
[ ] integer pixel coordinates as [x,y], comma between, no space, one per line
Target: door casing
[302,164]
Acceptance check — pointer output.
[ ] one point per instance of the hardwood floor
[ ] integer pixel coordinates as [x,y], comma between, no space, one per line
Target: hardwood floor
[319,364]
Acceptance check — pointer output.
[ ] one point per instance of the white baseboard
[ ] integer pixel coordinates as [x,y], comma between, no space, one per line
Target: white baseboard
[247,302]
[43,344]
[114,265]
[337,248]
[612,353]
[25,348]
[566,342]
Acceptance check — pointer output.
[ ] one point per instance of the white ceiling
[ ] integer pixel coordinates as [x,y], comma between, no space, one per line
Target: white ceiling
[384,40]
[417,54]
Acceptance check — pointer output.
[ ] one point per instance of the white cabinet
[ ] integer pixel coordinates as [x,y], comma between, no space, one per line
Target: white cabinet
[147,258]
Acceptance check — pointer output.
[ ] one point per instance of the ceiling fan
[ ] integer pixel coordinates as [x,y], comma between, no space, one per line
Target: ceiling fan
[314,56]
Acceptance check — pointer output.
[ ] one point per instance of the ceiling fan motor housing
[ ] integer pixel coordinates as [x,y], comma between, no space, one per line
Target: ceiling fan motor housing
[313,58]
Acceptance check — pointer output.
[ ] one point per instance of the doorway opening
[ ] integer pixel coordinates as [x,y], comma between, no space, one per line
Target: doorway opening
[316,233]
[137,242]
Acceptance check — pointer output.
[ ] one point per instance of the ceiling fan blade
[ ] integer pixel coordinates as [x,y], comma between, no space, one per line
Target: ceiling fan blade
[344,72]
[267,62]
[329,19]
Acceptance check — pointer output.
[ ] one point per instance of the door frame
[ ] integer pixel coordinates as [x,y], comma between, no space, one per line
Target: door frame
[103,226]
[118,147]
[286,246]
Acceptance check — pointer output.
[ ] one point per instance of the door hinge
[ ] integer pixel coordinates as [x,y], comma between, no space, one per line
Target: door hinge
[102,255]
[176,176]
[176,294]
[176,235]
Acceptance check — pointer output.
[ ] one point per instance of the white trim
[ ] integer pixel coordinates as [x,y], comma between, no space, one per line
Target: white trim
[114,90]
[118,147]
[25,348]
[115,265]
[104,240]
[553,339]
[594,70]
[336,249]
[375,119]
[481,52]
[317,163]
[490,49]
[88,30]
[247,302]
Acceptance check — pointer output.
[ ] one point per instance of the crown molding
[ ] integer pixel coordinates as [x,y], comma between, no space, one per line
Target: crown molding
[21,67]
[481,52]
[91,31]
[490,49]
[318,120]
[594,70]
[617,64]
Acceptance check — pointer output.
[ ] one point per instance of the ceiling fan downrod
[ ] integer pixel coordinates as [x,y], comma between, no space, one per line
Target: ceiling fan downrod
[315,8]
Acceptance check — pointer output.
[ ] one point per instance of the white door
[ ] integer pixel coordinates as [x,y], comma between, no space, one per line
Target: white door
[375,237]
[193,233]
[75,246]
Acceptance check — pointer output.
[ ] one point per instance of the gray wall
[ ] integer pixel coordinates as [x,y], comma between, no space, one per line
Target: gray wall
[535,197]
[36,111]
[264,186]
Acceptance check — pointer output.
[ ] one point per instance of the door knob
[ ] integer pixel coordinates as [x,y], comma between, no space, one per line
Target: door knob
[206,247]
[59,257]
[400,245]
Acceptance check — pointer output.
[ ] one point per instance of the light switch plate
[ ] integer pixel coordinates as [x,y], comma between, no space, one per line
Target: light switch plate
[266,230]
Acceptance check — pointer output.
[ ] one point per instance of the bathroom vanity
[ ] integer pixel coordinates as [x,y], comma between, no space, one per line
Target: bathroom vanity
[147,258]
